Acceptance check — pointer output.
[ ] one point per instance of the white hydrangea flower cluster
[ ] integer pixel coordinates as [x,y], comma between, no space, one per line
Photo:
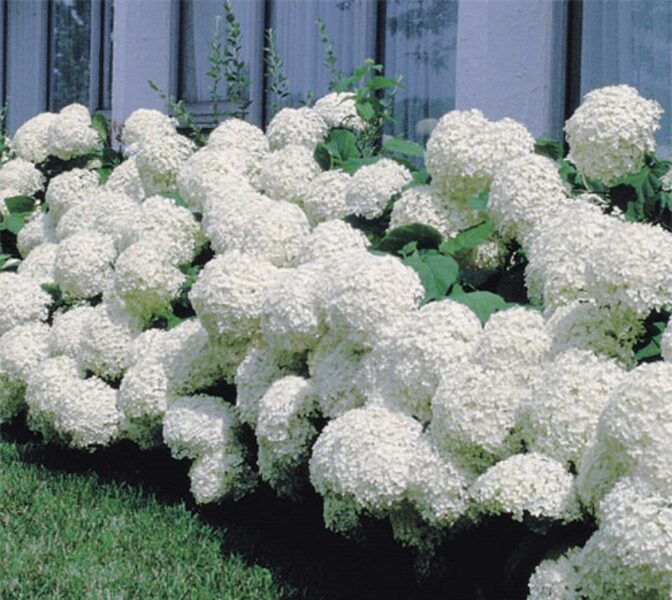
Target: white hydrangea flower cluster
[296,126]
[558,250]
[364,462]
[609,134]
[338,109]
[406,365]
[71,134]
[31,140]
[524,192]
[632,435]
[527,484]
[427,205]
[608,330]
[370,295]
[324,198]
[632,266]
[69,190]
[371,188]
[22,349]
[18,177]
[558,415]
[205,429]
[285,433]
[159,151]
[555,579]
[23,301]
[465,150]
[63,406]
[286,173]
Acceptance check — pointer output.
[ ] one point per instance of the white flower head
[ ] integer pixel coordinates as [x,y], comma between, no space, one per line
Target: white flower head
[372,186]
[609,134]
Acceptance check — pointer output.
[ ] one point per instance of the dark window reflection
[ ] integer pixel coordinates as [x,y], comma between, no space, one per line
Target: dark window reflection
[70,55]
[420,41]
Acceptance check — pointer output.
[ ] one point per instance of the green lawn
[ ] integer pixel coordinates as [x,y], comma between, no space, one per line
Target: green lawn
[120,524]
[68,535]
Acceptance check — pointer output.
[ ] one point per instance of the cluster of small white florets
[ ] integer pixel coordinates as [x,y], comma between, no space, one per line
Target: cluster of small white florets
[612,130]
[465,150]
[428,205]
[632,266]
[558,251]
[296,126]
[524,192]
[205,429]
[18,177]
[66,135]
[371,188]
[339,109]
[158,149]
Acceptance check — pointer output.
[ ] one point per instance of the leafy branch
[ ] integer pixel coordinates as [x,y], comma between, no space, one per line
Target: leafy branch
[277,84]
[178,110]
[330,60]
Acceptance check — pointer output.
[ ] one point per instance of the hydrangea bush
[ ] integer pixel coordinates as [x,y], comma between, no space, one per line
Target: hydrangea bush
[486,337]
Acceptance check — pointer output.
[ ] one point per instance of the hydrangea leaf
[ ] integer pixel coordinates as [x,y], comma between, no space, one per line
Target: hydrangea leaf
[20,204]
[483,303]
[397,238]
[404,147]
[468,239]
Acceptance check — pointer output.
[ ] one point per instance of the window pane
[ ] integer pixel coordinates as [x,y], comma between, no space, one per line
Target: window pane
[199,20]
[350,25]
[420,41]
[106,43]
[631,42]
[70,54]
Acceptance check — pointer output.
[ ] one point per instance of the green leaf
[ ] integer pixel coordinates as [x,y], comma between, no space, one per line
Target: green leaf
[350,166]
[103,175]
[408,249]
[482,303]
[14,222]
[360,72]
[366,111]
[547,147]
[397,238]
[444,270]
[168,319]
[99,123]
[405,147]
[20,204]
[426,276]
[342,144]
[322,156]
[420,178]
[650,352]
[54,291]
[437,273]
[468,239]
[380,83]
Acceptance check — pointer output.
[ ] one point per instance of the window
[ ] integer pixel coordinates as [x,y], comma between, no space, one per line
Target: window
[199,20]
[631,42]
[80,53]
[420,43]
[350,26]
[415,38]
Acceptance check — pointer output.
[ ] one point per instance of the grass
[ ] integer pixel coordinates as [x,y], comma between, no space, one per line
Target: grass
[65,535]
[120,524]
